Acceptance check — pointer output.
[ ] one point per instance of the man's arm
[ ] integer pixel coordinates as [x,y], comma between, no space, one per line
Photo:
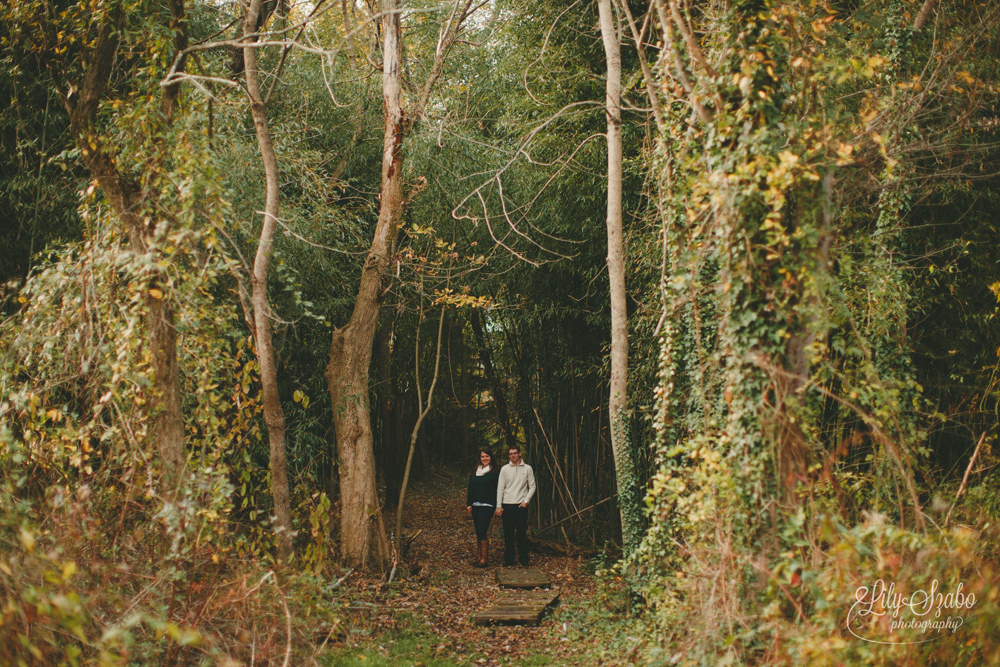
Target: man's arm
[531,486]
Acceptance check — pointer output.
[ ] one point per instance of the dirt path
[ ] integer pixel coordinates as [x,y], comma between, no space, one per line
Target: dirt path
[439,603]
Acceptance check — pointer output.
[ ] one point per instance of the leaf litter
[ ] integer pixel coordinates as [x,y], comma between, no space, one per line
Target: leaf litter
[434,602]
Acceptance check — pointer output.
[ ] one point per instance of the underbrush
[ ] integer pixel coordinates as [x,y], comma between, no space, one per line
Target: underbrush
[86,581]
[102,571]
[99,563]
[821,591]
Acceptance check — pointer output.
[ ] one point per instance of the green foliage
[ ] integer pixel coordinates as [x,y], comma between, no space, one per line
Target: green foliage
[72,378]
[813,298]
[156,597]
[97,569]
[949,566]
[788,390]
[804,597]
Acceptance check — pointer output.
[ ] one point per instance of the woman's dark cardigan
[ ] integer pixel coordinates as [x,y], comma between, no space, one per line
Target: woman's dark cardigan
[482,489]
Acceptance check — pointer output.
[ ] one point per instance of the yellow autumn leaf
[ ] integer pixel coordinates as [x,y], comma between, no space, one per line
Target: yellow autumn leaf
[788,158]
[27,541]
[155,293]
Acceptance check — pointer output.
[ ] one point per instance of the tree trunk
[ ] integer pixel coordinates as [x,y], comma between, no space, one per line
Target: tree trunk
[124,197]
[924,14]
[523,365]
[361,542]
[618,397]
[166,390]
[274,415]
[362,538]
[165,395]
[362,535]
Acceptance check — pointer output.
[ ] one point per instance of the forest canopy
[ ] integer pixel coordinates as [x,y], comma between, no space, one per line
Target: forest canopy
[727,272]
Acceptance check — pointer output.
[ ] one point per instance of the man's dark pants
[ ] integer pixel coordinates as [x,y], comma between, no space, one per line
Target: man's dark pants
[515,530]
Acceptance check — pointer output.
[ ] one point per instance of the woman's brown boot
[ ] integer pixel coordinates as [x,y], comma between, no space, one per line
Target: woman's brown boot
[484,550]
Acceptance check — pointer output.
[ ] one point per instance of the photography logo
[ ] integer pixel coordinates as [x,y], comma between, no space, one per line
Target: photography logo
[900,617]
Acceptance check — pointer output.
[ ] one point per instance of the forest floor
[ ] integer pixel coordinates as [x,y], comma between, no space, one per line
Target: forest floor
[427,618]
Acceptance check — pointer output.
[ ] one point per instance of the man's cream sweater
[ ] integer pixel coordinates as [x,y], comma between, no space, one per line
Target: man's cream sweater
[516,485]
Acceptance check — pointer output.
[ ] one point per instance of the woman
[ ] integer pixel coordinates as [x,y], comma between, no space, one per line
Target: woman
[480,502]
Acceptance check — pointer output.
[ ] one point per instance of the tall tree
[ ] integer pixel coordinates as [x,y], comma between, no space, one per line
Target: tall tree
[363,540]
[362,534]
[274,415]
[618,398]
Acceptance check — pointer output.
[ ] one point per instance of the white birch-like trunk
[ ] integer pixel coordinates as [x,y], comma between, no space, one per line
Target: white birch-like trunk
[618,398]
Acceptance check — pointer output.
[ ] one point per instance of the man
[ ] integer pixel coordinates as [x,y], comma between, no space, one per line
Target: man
[515,489]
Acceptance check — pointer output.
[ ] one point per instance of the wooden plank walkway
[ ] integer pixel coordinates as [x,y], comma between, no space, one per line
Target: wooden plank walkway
[522,578]
[518,604]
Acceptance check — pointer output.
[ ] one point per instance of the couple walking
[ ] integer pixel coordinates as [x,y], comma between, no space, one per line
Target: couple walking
[505,493]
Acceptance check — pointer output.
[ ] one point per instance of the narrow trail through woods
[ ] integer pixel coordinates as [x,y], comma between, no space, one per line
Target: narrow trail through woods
[442,589]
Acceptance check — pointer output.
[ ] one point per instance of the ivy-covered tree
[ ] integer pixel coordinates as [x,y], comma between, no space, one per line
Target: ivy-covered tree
[790,423]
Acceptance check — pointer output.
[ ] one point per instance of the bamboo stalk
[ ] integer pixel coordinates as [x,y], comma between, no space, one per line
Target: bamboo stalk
[556,460]
[397,542]
[565,519]
[965,477]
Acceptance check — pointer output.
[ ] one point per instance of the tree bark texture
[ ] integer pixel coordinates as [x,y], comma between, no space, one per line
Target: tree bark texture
[274,415]
[618,397]
[925,13]
[362,538]
[125,199]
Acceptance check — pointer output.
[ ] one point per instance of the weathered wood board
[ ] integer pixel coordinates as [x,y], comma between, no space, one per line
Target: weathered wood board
[523,578]
[518,606]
